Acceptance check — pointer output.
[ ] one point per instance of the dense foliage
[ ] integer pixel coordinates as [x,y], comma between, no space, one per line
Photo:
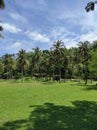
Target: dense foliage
[56,63]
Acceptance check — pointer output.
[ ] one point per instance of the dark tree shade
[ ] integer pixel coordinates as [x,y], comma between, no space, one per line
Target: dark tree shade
[1,28]
[2,5]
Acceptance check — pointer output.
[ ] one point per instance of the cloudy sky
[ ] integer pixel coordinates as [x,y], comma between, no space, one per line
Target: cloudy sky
[31,23]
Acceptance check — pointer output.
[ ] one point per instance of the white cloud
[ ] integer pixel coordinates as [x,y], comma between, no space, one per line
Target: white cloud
[61,32]
[76,17]
[91,36]
[73,41]
[57,32]
[15,46]
[89,22]
[10,28]
[85,25]
[37,36]
[70,43]
[68,37]
[61,20]
[18,17]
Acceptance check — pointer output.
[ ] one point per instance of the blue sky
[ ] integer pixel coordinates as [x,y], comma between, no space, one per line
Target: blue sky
[31,23]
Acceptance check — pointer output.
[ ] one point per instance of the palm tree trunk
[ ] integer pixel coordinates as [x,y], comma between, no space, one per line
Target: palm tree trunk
[59,72]
[7,73]
[22,76]
[53,73]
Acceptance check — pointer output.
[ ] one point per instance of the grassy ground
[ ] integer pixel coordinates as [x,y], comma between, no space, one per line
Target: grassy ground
[40,105]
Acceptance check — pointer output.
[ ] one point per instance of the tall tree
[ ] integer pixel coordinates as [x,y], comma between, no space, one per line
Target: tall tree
[36,60]
[45,64]
[58,54]
[1,68]
[84,57]
[8,65]
[22,62]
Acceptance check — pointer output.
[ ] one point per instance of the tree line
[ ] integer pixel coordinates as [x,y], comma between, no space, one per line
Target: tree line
[56,63]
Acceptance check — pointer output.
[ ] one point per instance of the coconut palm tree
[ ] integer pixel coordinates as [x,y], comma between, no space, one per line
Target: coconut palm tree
[94,46]
[84,51]
[58,50]
[1,68]
[36,59]
[45,64]
[8,65]
[84,57]
[22,62]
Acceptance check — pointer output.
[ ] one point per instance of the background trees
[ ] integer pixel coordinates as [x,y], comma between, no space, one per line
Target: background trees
[74,63]
[93,61]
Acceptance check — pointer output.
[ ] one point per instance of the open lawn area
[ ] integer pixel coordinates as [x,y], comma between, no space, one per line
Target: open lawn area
[40,105]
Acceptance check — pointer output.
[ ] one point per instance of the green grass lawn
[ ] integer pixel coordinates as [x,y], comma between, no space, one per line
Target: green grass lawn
[47,106]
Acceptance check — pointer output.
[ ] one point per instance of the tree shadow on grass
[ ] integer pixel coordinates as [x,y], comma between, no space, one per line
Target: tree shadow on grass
[82,115]
[90,87]
[48,82]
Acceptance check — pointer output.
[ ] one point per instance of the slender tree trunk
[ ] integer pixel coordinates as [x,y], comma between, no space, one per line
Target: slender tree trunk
[7,73]
[31,72]
[38,72]
[60,73]
[22,76]
[53,73]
